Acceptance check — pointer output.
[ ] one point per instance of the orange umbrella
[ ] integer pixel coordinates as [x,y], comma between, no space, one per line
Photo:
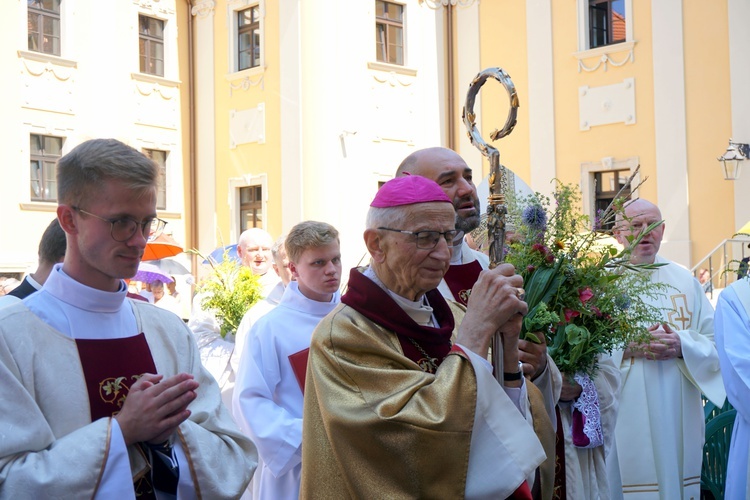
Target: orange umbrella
[162,246]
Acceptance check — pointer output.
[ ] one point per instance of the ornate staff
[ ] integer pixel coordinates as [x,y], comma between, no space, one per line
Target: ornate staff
[498,180]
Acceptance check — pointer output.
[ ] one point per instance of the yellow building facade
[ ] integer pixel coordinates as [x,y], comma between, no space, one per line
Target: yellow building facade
[321,119]
[666,95]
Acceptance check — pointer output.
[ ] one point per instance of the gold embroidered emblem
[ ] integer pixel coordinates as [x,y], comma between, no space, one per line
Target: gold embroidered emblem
[114,390]
[428,364]
[680,316]
[464,295]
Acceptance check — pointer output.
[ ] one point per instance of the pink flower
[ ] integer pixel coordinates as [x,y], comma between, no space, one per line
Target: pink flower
[585,295]
[538,247]
[570,314]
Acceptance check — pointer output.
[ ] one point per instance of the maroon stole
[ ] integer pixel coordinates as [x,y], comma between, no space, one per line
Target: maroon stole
[374,303]
[110,368]
[460,278]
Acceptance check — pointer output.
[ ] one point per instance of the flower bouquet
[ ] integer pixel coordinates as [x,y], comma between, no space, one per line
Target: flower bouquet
[229,291]
[579,295]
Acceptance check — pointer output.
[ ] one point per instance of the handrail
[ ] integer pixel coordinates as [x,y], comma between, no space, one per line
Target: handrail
[719,266]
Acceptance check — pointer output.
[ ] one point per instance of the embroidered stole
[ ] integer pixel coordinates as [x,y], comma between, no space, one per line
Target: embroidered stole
[110,368]
[460,278]
[374,303]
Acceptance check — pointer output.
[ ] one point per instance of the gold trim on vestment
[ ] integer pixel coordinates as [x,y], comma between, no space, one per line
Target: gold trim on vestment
[106,457]
[191,466]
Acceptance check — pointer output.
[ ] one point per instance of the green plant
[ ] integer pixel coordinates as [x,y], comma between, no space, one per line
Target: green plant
[583,292]
[229,290]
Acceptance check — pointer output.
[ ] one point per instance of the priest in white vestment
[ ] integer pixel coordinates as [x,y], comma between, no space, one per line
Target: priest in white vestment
[733,344]
[105,397]
[268,395]
[660,428]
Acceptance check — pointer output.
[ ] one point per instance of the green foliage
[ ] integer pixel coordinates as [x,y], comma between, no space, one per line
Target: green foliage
[229,291]
[583,293]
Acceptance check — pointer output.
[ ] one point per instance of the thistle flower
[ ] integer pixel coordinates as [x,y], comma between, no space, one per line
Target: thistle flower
[623,302]
[534,217]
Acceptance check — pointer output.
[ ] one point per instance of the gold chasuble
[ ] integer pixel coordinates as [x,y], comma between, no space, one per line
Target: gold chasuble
[376,424]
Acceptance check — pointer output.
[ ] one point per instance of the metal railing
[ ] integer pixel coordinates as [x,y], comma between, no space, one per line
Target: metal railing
[725,263]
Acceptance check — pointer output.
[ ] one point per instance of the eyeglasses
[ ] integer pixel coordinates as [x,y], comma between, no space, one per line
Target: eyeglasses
[123,228]
[427,240]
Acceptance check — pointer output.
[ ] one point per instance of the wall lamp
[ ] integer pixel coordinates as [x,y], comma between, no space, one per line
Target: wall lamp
[732,159]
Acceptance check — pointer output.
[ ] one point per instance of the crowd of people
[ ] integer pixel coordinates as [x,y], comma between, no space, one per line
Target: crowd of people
[383,391]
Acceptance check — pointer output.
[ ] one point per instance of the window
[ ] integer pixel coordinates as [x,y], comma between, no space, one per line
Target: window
[160,158]
[44,26]
[248,42]
[251,207]
[607,23]
[44,153]
[389,32]
[608,183]
[151,45]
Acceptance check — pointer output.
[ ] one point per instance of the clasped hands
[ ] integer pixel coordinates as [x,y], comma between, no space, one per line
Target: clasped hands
[665,344]
[155,407]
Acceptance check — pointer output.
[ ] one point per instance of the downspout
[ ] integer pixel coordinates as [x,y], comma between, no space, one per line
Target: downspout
[450,81]
[192,172]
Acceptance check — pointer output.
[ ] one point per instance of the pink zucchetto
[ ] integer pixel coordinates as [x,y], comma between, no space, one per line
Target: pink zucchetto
[408,190]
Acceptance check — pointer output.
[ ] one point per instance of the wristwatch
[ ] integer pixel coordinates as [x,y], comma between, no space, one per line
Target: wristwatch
[513,376]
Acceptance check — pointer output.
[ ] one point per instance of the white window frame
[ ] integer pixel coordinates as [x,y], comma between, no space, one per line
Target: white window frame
[235,183]
[583,25]
[588,186]
[404,38]
[603,53]
[66,26]
[171,68]
[167,170]
[233,8]
[69,142]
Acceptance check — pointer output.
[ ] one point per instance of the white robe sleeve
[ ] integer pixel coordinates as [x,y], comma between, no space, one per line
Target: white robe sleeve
[276,433]
[492,447]
[733,342]
[700,363]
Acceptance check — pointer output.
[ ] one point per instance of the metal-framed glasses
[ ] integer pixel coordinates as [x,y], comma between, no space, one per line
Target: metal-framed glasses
[427,240]
[123,228]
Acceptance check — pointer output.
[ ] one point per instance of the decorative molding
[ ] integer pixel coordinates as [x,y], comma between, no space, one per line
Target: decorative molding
[247,125]
[606,104]
[203,8]
[145,77]
[147,6]
[39,206]
[246,79]
[37,64]
[605,56]
[437,4]
[150,84]
[169,215]
[392,74]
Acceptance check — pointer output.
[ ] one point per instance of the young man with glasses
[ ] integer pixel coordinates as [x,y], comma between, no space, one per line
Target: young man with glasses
[111,385]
